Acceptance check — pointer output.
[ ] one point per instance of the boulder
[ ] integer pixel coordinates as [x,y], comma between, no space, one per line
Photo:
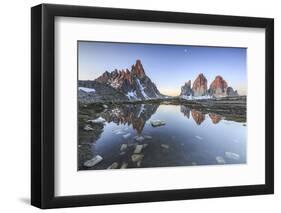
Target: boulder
[157,123]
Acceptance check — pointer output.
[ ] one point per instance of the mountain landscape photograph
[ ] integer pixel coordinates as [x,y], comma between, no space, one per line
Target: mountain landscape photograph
[160,105]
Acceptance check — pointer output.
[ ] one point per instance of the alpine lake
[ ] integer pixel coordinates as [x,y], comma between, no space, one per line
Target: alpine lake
[162,133]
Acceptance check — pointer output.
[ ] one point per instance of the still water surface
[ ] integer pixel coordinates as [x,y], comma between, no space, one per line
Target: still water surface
[127,139]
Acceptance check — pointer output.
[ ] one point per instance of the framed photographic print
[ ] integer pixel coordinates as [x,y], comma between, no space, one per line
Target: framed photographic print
[140,106]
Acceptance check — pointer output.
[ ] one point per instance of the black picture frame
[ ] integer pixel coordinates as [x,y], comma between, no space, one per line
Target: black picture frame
[43,102]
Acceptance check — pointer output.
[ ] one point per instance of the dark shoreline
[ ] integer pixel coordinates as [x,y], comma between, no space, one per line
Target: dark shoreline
[231,108]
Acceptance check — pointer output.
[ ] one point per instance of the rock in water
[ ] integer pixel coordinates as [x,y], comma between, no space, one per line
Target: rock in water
[157,123]
[88,128]
[220,160]
[165,146]
[186,89]
[199,87]
[139,138]
[232,155]
[139,163]
[124,165]
[137,157]
[94,161]
[113,166]
[127,135]
[147,137]
[123,147]
[198,137]
[218,87]
[98,120]
[138,149]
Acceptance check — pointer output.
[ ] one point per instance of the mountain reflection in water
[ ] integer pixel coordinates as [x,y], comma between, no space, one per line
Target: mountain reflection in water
[128,136]
[131,114]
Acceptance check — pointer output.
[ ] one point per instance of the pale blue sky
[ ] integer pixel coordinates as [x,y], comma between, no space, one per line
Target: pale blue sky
[168,66]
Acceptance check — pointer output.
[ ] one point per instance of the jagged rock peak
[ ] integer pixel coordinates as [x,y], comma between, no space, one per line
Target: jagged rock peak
[138,70]
[186,89]
[218,87]
[230,92]
[199,87]
[188,84]
[219,82]
[115,75]
[134,83]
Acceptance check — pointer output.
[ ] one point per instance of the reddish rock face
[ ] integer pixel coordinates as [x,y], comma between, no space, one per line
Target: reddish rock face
[134,83]
[104,77]
[122,75]
[199,87]
[197,116]
[116,78]
[138,69]
[215,118]
[218,87]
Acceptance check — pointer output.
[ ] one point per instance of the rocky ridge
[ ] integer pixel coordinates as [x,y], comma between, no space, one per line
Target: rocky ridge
[218,88]
[132,84]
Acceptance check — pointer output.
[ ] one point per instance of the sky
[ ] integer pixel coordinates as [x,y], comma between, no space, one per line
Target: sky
[168,66]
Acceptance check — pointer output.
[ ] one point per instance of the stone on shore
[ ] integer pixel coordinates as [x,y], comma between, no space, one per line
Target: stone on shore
[99,120]
[124,165]
[88,128]
[113,166]
[139,163]
[137,157]
[122,153]
[94,161]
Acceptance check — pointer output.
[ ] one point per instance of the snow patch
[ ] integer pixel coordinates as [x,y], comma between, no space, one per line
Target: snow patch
[190,97]
[115,83]
[142,90]
[141,110]
[86,89]
[132,95]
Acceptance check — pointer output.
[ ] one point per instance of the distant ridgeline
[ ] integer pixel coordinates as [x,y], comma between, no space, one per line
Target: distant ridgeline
[134,84]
